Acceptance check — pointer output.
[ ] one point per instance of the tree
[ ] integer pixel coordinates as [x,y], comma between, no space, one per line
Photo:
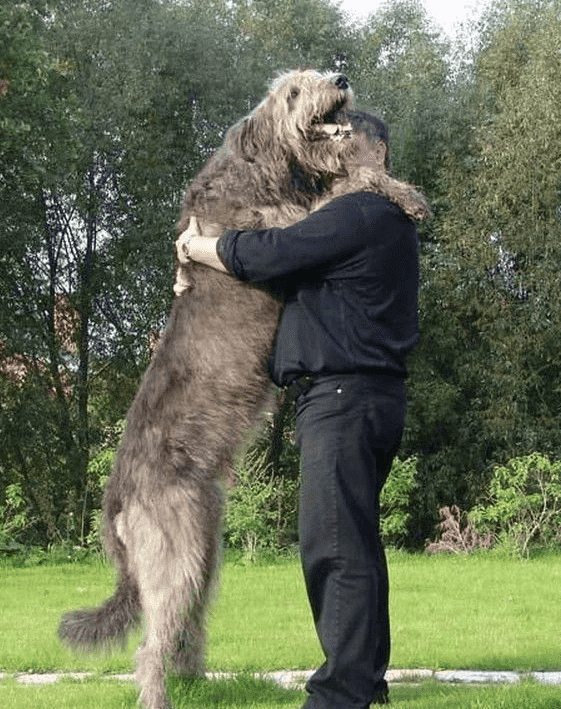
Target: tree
[402,70]
[513,231]
[283,34]
[100,103]
[499,245]
[109,108]
[35,413]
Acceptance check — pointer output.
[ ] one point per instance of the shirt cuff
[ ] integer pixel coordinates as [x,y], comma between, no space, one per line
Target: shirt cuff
[226,250]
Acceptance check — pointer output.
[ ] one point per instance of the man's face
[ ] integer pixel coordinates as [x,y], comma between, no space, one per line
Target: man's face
[371,155]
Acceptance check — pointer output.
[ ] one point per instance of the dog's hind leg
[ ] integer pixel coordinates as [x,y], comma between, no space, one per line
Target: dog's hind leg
[172,539]
[188,659]
[162,611]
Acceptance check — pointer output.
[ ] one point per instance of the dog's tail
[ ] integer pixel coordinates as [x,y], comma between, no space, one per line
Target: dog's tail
[92,628]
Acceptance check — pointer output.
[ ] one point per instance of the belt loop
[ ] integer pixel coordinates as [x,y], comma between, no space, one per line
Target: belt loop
[302,385]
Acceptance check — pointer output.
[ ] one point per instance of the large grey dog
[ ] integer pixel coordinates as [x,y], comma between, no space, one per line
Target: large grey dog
[207,380]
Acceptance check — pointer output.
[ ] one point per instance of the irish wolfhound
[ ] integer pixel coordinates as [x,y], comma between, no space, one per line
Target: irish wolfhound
[207,381]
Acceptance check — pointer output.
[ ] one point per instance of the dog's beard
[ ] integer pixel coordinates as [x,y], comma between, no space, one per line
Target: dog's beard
[332,154]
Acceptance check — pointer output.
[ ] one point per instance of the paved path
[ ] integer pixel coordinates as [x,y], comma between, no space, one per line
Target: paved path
[296,679]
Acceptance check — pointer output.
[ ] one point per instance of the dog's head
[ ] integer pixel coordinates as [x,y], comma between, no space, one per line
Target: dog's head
[301,122]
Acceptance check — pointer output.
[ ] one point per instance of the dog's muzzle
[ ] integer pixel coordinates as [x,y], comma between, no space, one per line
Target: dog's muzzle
[336,131]
[341,82]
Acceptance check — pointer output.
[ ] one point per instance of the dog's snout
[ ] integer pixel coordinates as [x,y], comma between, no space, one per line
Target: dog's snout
[341,82]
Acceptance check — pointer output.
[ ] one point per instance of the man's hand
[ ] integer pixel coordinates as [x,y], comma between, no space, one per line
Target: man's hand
[184,239]
[198,243]
[193,244]
[182,280]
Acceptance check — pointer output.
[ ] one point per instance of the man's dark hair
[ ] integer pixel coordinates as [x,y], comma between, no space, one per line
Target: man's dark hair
[365,122]
[372,126]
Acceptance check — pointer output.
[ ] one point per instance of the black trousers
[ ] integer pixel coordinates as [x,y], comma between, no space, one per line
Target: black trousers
[348,428]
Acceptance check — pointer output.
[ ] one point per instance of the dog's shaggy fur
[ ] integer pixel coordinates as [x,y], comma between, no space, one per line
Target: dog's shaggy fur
[207,381]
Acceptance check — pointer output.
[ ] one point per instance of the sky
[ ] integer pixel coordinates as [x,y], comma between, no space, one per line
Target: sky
[445,12]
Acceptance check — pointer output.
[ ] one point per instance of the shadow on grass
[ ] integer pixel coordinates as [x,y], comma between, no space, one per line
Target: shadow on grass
[243,691]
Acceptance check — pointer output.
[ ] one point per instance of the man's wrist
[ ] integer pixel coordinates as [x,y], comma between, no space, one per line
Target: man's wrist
[186,242]
[203,250]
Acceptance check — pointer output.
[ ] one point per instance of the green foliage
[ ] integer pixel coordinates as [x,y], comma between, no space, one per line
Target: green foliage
[107,111]
[286,33]
[250,514]
[99,470]
[504,220]
[100,466]
[489,331]
[523,505]
[395,501]
[261,508]
[402,68]
[261,511]
[13,514]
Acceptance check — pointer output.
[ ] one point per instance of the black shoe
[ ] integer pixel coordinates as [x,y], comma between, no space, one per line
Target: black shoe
[382,697]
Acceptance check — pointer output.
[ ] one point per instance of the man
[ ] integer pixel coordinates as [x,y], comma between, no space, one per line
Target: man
[349,276]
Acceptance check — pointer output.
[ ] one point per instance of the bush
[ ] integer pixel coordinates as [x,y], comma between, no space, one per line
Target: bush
[13,516]
[262,508]
[395,500]
[457,534]
[261,512]
[99,470]
[523,505]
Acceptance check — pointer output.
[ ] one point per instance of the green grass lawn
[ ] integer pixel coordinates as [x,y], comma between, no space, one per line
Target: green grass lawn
[475,612]
[254,694]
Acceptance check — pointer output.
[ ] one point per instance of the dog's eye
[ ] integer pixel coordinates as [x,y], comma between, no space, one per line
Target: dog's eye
[294,93]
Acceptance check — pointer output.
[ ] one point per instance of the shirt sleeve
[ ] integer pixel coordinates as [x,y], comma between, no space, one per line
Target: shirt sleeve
[325,236]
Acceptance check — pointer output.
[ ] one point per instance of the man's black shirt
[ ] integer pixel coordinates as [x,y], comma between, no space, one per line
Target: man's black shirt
[349,278]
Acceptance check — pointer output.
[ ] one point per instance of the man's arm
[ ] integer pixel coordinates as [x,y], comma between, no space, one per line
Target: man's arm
[320,239]
[264,255]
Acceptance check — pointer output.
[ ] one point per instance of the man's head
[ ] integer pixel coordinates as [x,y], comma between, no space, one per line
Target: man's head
[373,138]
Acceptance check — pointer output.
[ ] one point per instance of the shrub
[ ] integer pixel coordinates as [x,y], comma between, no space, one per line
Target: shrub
[13,516]
[523,505]
[99,470]
[262,508]
[395,500]
[457,534]
[260,512]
